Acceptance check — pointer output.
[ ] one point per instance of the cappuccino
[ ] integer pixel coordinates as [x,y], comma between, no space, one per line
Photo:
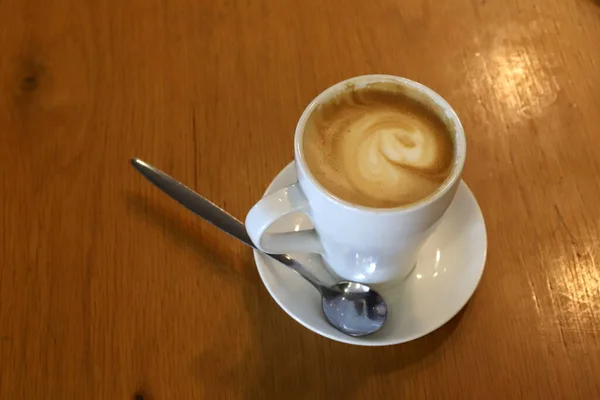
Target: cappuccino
[378,146]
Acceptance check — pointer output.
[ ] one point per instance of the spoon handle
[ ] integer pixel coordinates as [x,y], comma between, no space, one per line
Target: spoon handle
[212,213]
[193,201]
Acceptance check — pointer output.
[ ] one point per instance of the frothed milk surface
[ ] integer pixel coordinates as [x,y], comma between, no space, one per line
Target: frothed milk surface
[377,147]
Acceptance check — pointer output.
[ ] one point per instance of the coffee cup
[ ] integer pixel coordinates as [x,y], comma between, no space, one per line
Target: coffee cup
[379,159]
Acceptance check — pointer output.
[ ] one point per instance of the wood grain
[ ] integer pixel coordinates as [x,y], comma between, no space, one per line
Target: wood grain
[108,288]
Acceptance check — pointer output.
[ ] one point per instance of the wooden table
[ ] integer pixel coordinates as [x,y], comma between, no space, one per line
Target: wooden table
[108,288]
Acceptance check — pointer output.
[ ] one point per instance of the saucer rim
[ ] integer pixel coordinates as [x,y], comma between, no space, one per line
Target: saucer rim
[365,341]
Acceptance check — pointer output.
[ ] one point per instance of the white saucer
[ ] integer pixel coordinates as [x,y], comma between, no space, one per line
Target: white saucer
[447,273]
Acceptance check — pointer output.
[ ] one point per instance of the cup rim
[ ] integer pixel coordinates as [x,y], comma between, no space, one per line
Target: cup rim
[459,141]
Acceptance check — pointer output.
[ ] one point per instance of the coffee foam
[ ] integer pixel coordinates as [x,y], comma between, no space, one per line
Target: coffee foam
[378,147]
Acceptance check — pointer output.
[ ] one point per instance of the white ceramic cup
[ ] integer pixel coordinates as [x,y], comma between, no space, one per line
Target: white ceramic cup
[361,244]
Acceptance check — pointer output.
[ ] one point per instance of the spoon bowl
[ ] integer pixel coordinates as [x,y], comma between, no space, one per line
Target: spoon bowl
[354,308]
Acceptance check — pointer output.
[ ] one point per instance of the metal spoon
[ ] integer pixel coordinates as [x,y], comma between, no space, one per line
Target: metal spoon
[352,308]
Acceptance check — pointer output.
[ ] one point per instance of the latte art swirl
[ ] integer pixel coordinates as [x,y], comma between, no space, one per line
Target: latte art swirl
[377,148]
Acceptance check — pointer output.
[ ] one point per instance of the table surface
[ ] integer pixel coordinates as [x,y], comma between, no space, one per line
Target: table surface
[108,288]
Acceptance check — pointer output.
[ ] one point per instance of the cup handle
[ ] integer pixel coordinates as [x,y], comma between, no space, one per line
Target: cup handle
[273,207]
